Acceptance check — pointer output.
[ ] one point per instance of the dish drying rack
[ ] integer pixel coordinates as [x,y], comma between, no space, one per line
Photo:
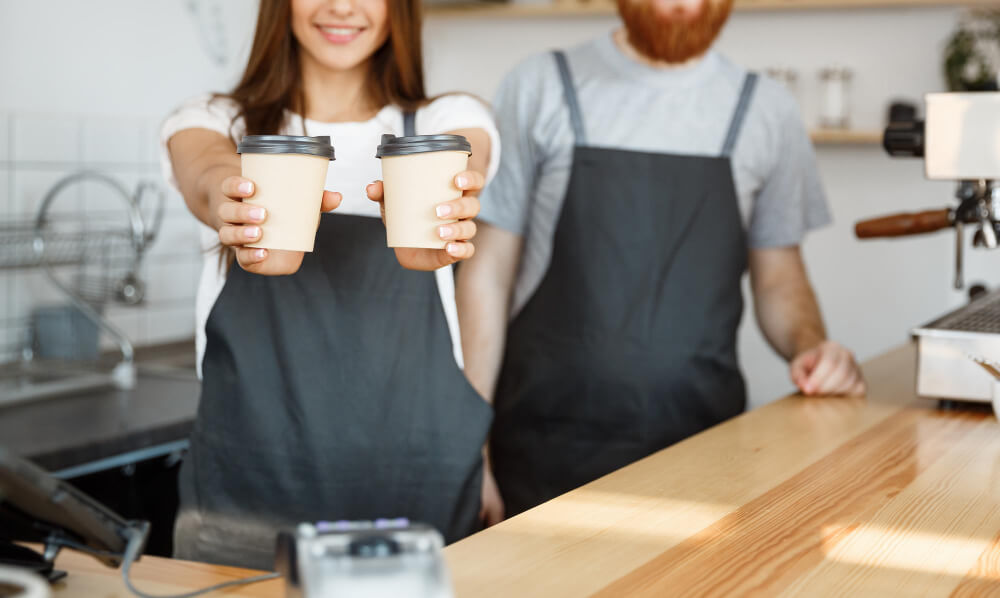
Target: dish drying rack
[93,258]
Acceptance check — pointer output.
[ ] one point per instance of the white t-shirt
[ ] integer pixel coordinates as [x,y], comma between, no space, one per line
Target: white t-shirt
[355,167]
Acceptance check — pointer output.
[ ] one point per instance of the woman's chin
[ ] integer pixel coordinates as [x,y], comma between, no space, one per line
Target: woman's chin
[342,59]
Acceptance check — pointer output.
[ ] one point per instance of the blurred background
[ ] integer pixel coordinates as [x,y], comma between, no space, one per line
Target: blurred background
[86,84]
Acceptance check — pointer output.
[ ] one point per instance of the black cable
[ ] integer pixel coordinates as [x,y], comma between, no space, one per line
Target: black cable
[134,547]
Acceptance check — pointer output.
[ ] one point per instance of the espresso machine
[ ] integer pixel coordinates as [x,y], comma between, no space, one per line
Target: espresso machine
[959,139]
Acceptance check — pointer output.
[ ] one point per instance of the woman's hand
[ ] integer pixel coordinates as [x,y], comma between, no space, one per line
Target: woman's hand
[464,209]
[240,224]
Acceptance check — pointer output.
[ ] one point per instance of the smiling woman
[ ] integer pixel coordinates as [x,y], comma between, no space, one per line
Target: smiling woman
[379,39]
[332,386]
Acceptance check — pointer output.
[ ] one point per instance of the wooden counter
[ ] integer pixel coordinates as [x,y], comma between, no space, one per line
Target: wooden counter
[807,497]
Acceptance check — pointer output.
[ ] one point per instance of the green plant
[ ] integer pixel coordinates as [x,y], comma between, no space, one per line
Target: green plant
[972,55]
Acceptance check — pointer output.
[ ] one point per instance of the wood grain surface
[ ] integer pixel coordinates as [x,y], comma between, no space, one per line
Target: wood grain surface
[804,497]
[884,496]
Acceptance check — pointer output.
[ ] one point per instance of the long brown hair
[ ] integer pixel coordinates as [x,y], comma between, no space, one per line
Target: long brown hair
[272,80]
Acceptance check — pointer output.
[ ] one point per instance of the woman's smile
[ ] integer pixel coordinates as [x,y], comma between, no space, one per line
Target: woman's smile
[340,34]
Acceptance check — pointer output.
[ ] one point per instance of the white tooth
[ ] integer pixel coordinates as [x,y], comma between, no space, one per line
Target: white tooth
[340,30]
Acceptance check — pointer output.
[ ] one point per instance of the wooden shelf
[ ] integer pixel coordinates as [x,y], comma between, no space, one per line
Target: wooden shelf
[565,8]
[845,137]
[570,8]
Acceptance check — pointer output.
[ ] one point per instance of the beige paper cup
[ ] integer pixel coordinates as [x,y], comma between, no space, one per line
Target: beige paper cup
[289,174]
[418,173]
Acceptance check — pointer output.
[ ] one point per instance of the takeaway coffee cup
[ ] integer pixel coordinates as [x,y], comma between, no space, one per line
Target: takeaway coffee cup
[289,174]
[418,174]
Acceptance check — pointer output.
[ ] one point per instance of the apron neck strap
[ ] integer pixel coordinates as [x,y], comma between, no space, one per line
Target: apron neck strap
[409,123]
[569,91]
[739,114]
[576,115]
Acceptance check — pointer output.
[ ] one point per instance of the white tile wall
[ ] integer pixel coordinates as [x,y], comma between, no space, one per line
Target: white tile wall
[104,200]
[6,293]
[115,140]
[179,237]
[4,136]
[36,151]
[166,324]
[131,321]
[33,288]
[8,328]
[176,204]
[29,290]
[6,207]
[150,151]
[174,201]
[8,345]
[172,280]
[30,187]
[46,138]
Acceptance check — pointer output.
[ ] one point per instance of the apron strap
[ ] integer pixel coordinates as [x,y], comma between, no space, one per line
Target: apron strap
[409,123]
[736,123]
[575,114]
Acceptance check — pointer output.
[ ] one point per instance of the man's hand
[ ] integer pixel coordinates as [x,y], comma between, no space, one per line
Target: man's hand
[827,369]
[492,510]
[790,320]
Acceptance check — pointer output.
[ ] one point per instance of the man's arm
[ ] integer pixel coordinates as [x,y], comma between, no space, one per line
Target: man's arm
[789,317]
[483,287]
[482,293]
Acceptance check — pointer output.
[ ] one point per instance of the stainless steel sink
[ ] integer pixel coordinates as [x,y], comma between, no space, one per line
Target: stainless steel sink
[180,365]
[35,380]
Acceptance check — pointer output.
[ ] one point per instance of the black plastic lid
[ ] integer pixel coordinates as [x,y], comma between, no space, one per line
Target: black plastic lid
[286,144]
[418,144]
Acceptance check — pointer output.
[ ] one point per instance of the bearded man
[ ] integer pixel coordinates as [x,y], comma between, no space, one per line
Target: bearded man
[641,175]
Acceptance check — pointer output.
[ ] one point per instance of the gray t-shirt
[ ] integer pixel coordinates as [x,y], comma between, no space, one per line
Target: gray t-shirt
[632,106]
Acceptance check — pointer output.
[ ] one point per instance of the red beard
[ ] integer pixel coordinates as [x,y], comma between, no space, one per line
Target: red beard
[673,37]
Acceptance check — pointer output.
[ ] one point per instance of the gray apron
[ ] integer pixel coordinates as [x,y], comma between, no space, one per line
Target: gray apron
[329,394]
[629,343]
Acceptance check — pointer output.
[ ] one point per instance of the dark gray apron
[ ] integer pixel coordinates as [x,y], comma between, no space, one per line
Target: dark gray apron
[329,394]
[629,343]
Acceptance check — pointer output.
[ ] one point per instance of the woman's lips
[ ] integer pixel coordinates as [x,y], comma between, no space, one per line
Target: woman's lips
[339,34]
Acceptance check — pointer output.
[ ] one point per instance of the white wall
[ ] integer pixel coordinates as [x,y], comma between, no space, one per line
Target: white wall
[81,63]
[115,56]
[85,86]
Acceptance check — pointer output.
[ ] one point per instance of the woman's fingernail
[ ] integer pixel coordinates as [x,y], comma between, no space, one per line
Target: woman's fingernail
[461,181]
[245,187]
[257,214]
[443,211]
[454,249]
[445,232]
[260,253]
[252,232]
